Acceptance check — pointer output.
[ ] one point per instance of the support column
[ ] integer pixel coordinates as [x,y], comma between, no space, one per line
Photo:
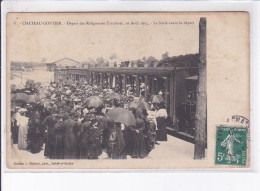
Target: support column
[95,76]
[91,79]
[167,93]
[101,80]
[172,99]
[146,83]
[201,105]
[116,81]
[137,83]
[120,83]
[110,80]
[132,82]
[156,85]
[152,85]
[98,79]
[55,75]
[124,82]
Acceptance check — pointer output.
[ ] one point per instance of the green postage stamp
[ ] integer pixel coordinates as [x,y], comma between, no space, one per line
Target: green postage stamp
[231,146]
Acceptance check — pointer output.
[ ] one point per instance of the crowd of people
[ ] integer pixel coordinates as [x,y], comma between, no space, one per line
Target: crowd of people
[77,121]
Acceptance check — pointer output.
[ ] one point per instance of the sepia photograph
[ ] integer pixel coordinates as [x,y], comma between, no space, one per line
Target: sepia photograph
[124,90]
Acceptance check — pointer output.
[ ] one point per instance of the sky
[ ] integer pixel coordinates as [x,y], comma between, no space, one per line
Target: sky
[48,43]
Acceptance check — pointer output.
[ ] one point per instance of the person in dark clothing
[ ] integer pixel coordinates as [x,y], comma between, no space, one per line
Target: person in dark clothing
[139,149]
[14,128]
[49,124]
[116,143]
[83,137]
[35,135]
[149,131]
[139,146]
[59,139]
[91,134]
[70,138]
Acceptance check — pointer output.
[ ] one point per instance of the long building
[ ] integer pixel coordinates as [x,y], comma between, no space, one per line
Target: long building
[184,91]
[176,85]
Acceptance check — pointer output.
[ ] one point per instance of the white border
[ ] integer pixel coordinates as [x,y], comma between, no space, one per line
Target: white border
[43,6]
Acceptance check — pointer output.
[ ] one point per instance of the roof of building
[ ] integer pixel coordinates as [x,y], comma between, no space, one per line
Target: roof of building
[156,71]
[65,62]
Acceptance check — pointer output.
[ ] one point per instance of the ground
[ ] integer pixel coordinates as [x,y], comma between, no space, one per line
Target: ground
[166,150]
[42,76]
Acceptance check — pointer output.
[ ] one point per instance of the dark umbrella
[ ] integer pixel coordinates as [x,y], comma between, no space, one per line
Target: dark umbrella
[13,87]
[13,96]
[139,104]
[156,99]
[21,96]
[33,99]
[13,106]
[37,85]
[121,115]
[114,95]
[29,82]
[44,91]
[69,82]
[94,101]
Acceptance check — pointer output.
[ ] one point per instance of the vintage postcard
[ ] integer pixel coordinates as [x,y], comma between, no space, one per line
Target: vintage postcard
[128,90]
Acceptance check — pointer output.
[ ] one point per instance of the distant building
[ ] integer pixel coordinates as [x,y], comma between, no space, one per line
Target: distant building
[114,63]
[40,67]
[63,63]
[125,64]
[51,66]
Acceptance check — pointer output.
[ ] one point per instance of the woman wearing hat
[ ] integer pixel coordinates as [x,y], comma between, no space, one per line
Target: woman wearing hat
[139,147]
[161,115]
[22,122]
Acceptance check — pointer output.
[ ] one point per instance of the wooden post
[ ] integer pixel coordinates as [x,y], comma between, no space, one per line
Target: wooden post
[152,88]
[91,79]
[95,76]
[132,82]
[201,106]
[167,91]
[172,99]
[146,86]
[110,80]
[55,75]
[116,80]
[121,83]
[157,86]
[98,79]
[101,80]
[137,84]
[125,82]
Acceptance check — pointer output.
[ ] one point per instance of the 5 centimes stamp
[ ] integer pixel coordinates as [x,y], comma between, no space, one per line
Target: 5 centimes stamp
[231,145]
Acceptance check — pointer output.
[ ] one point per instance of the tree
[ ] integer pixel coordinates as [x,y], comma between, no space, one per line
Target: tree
[132,63]
[165,55]
[113,56]
[100,61]
[150,61]
[139,63]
